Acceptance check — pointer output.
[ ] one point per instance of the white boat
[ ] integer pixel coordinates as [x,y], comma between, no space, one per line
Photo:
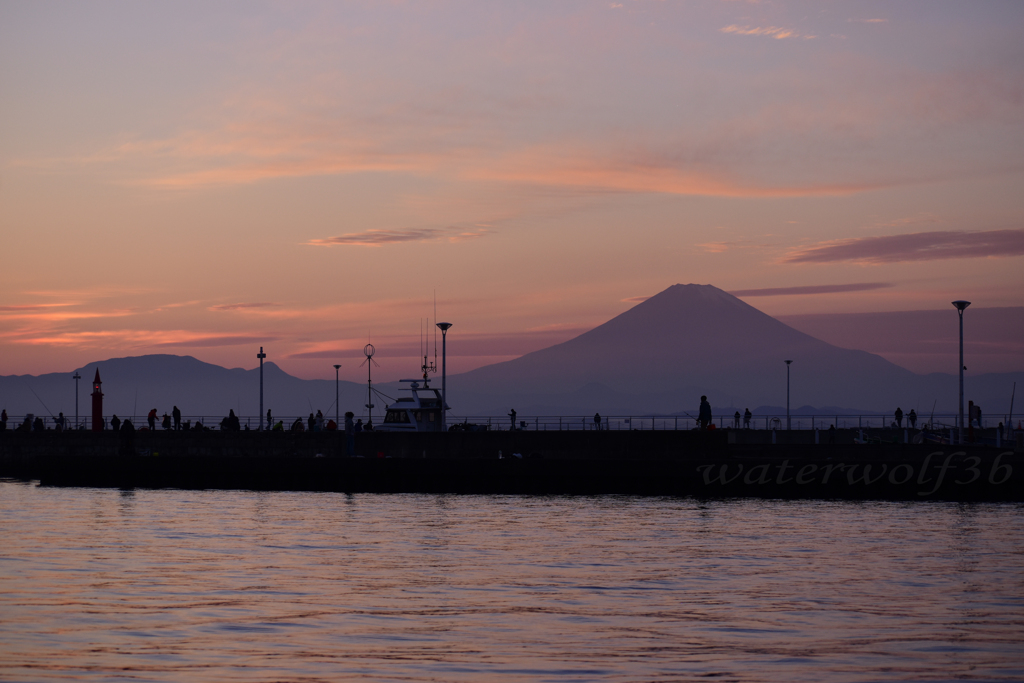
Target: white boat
[420,412]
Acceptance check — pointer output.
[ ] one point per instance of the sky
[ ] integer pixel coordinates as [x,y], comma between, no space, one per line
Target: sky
[207,178]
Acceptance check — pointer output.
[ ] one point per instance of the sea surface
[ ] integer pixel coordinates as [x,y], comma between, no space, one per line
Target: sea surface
[169,585]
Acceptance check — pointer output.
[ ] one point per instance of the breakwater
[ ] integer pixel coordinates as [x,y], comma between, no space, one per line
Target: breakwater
[703,464]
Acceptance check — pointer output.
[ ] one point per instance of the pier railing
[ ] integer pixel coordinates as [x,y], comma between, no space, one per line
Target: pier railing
[937,422]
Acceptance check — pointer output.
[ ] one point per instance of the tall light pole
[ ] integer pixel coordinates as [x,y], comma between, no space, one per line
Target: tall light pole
[336,414]
[444,374]
[960,306]
[788,423]
[76,377]
[261,356]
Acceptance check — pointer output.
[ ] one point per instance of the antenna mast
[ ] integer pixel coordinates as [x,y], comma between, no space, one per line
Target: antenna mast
[426,367]
[368,351]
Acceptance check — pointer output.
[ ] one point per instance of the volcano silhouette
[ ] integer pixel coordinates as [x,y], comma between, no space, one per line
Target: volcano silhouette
[691,340]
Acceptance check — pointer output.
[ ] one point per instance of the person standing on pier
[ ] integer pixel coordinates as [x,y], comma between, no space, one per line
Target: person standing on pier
[746,418]
[597,421]
[115,423]
[736,420]
[165,424]
[899,417]
[704,416]
[912,419]
[151,418]
[176,414]
[512,415]
[350,434]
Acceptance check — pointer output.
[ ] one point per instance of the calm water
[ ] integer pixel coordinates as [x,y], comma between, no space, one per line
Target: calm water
[234,585]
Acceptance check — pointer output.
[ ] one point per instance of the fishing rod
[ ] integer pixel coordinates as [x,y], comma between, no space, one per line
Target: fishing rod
[40,400]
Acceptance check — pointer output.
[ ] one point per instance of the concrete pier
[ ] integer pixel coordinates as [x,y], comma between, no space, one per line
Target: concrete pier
[702,464]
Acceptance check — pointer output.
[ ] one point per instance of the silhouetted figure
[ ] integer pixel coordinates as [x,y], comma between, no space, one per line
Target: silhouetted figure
[3,418]
[831,433]
[319,421]
[597,421]
[899,417]
[704,415]
[297,426]
[176,414]
[231,423]
[912,419]
[198,426]
[127,426]
[311,421]
[151,418]
[512,416]
[746,418]
[270,420]
[736,420]
[358,426]
[976,415]
[165,424]
[38,425]
[350,431]
[115,423]
[60,422]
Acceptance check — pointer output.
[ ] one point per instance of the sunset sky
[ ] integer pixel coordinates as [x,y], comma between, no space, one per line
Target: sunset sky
[204,178]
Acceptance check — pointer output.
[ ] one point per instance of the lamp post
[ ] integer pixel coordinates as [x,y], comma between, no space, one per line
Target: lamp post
[261,356]
[76,377]
[960,306]
[788,423]
[444,374]
[336,413]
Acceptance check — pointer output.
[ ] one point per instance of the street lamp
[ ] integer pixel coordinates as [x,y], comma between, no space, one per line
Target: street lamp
[261,356]
[788,423]
[76,377]
[444,372]
[960,306]
[336,414]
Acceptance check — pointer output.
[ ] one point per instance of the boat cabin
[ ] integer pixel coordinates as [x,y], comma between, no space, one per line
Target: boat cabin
[420,412]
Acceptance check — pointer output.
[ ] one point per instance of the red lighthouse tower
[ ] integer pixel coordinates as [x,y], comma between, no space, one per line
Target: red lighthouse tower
[97,404]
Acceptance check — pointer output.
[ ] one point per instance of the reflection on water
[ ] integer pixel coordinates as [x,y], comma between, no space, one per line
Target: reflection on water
[234,585]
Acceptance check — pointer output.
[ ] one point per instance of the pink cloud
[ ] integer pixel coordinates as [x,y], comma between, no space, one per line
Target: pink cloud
[811,289]
[770,31]
[469,345]
[920,246]
[378,238]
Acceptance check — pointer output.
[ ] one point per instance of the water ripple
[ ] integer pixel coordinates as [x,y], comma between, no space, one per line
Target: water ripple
[234,585]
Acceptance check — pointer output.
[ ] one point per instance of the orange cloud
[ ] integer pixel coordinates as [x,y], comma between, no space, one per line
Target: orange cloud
[235,307]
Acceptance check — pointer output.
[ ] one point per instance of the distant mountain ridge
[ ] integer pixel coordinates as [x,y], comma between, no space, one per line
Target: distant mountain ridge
[134,385]
[658,357]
